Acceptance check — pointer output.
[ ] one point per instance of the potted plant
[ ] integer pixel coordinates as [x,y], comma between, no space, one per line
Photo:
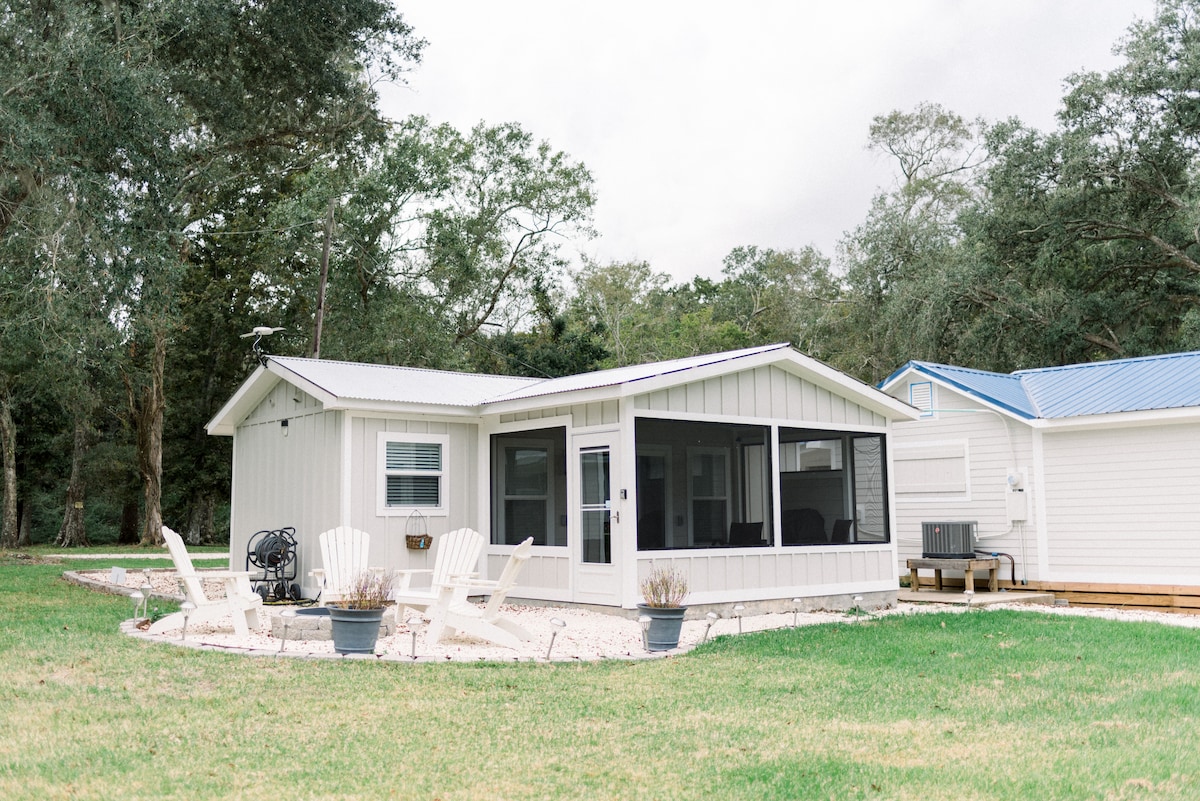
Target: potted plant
[354,620]
[663,592]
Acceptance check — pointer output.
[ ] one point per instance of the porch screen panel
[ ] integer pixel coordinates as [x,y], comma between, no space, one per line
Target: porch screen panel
[528,487]
[870,493]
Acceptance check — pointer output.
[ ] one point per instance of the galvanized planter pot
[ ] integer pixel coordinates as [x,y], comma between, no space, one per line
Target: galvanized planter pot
[665,625]
[355,631]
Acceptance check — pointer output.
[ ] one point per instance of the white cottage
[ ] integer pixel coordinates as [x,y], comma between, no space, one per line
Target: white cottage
[1088,475]
[761,473]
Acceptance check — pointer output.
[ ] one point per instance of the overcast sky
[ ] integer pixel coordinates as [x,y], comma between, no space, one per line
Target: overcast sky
[711,125]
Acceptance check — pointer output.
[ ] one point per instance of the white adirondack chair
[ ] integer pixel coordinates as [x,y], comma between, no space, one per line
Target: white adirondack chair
[241,603]
[457,558]
[456,613]
[344,556]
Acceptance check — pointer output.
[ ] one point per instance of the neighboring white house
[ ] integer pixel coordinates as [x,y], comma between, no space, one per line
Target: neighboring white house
[761,473]
[1085,474]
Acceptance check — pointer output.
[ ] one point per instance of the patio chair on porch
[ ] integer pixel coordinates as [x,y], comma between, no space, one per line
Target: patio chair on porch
[455,613]
[241,603]
[457,558]
[344,556]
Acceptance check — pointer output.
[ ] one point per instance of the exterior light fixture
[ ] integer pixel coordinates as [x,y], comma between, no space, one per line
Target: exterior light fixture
[644,621]
[796,611]
[737,612]
[137,597]
[712,618]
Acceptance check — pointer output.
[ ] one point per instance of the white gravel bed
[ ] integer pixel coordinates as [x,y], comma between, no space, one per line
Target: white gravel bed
[586,636]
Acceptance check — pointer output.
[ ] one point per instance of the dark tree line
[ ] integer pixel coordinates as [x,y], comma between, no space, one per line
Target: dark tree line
[173,175]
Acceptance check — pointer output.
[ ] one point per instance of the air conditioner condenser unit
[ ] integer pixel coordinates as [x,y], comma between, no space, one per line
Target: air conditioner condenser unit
[948,540]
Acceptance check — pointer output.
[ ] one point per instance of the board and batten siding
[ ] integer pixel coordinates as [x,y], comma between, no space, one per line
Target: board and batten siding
[1123,505]
[283,481]
[583,415]
[388,548]
[953,467]
[763,393]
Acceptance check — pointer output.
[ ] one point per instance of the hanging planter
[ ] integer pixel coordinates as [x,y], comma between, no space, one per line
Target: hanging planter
[416,535]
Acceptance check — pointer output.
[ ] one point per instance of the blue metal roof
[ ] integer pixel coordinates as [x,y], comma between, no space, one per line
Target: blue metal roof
[1125,385]
[994,389]
[1147,383]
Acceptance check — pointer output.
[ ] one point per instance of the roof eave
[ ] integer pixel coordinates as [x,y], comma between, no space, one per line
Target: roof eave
[251,393]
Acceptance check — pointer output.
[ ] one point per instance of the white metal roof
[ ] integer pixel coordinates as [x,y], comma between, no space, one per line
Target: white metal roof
[379,382]
[383,388]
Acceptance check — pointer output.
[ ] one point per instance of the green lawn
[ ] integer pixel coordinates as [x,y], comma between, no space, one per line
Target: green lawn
[984,705]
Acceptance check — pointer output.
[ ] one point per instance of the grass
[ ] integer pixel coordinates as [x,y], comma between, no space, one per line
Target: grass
[985,705]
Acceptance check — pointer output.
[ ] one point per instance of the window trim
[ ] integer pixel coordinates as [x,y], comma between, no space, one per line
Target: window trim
[382,473]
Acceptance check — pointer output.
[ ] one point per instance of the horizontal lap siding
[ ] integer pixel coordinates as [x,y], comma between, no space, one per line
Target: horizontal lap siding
[1124,505]
[765,392]
[992,447]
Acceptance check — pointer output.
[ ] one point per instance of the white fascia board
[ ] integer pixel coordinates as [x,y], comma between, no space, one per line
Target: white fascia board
[901,377]
[327,398]
[982,401]
[1152,417]
[363,408]
[551,400]
[251,393]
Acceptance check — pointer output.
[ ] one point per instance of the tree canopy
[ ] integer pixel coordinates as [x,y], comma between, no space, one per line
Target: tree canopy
[172,175]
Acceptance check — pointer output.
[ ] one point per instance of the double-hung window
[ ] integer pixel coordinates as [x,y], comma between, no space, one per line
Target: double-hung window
[412,473]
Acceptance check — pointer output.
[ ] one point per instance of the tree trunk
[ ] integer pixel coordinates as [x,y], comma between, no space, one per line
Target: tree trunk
[200,526]
[129,524]
[73,533]
[320,315]
[147,409]
[9,533]
[25,538]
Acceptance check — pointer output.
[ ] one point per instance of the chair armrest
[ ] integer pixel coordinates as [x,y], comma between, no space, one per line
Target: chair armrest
[216,574]
[465,582]
[406,577]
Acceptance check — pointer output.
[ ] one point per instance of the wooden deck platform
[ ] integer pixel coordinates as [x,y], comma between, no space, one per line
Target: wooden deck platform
[1150,597]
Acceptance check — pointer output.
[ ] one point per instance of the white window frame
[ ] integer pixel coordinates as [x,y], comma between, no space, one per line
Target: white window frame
[443,475]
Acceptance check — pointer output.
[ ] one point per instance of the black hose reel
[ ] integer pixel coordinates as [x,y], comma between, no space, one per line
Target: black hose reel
[272,553]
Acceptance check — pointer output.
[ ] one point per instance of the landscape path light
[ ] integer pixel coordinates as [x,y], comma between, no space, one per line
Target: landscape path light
[796,611]
[414,623]
[558,624]
[147,591]
[187,607]
[136,596]
[287,615]
[737,612]
[644,620]
[713,617]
